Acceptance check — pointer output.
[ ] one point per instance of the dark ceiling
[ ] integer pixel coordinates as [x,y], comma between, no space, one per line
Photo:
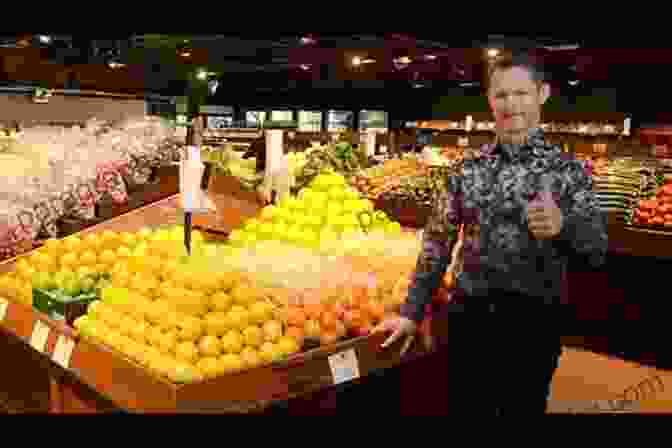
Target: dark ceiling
[262,64]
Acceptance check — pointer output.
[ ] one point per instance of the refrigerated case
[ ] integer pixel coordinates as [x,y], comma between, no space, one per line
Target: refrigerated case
[310,121]
[255,118]
[339,120]
[373,120]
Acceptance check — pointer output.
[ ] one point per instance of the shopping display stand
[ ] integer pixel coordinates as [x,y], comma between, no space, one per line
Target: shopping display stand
[76,367]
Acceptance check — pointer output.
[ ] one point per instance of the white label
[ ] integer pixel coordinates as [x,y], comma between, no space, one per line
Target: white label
[626,126]
[274,150]
[38,340]
[344,366]
[4,305]
[63,351]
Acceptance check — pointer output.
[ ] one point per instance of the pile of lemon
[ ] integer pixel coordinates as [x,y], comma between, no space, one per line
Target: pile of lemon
[191,327]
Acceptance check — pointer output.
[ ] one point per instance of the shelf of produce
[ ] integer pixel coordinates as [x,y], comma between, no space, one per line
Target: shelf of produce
[133,388]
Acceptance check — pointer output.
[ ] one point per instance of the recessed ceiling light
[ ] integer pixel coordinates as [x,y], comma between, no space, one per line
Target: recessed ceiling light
[356,61]
[430,57]
[418,86]
[305,67]
[44,39]
[493,52]
[573,82]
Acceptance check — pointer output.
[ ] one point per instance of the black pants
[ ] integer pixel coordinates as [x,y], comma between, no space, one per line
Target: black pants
[503,351]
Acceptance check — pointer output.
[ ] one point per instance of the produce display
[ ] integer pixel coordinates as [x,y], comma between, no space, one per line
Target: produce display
[322,216]
[339,157]
[229,162]
[51,173]
[390,176]
[657,211]
[300,275]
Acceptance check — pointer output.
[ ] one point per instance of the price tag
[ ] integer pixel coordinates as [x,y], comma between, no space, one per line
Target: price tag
[344,366]
[63,351]
[4,306]
[38,340]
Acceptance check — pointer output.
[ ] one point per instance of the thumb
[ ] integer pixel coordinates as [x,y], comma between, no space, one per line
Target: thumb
[392,339]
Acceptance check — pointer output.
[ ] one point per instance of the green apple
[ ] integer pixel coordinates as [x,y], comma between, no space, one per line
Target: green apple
[280,231]
[393,228]
[294,234]
[236,237]
[351,194]
[265,230]
[250,240]
[251,225]
[268,212]
[336,194]
[334,209]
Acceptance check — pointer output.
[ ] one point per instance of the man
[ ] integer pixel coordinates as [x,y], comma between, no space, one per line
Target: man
[527,209]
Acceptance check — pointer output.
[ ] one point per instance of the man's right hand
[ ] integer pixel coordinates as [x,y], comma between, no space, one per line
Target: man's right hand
[401,327]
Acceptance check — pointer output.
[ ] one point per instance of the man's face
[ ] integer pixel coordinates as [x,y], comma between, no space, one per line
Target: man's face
[515,100]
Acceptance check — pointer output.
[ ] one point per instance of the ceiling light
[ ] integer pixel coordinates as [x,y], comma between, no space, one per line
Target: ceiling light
[305,67]
[44,39]
[430,57]
[185,53]
[115,64]
[418,86]
[307,40]
[573,82]
[356,61]
[202,75]
[368,61]
[493,53]
[212,86]
[403,60]
[562,47]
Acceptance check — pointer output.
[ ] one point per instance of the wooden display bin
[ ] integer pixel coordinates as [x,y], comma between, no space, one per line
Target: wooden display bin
[136,389]
[69,226]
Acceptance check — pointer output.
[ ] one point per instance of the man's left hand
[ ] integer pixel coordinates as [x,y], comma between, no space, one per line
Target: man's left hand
[544,218]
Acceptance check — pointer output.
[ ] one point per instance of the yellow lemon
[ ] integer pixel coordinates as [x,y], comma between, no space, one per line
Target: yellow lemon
[92,242]
[232,342]
[209,346]
[209,367]
[253,336]
[250,358]
[187,352]
[230,363]
[220,302]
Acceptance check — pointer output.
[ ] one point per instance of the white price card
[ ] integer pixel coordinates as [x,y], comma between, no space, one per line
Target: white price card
[38,340]
[4,306]
[344,366]
[63,351]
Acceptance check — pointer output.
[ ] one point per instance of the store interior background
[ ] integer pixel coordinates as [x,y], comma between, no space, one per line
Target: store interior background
[286,73]
[620,309]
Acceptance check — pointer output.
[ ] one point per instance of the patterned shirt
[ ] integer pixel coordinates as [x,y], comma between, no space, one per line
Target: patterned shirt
[489,196]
